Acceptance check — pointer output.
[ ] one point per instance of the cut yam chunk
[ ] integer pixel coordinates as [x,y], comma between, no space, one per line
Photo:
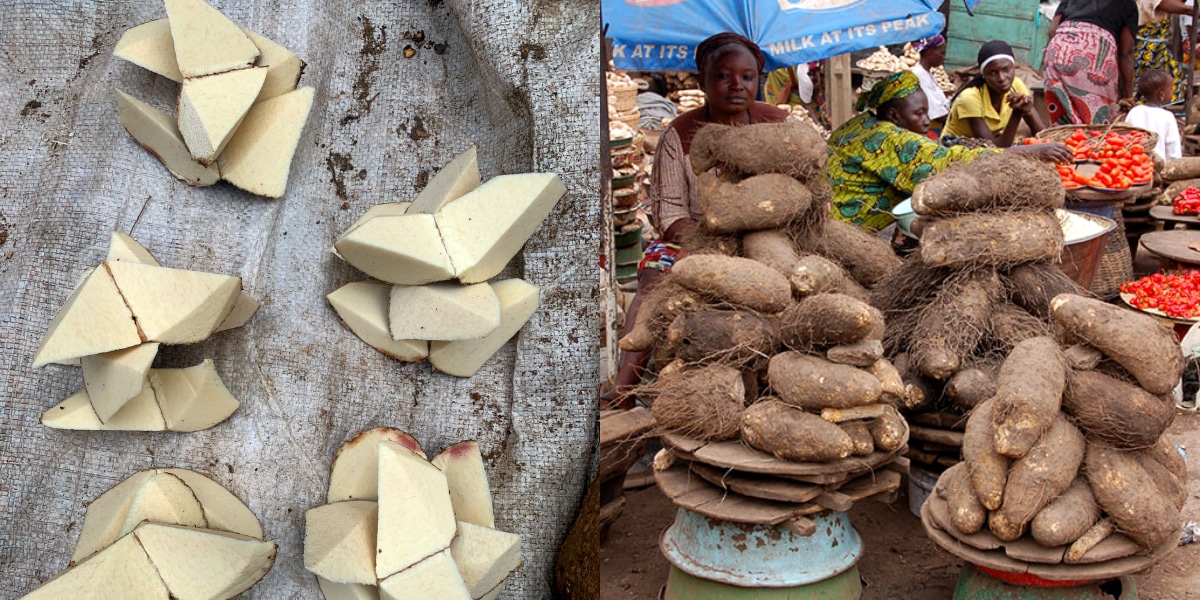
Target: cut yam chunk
[124,247]
[347,591]
[416,517]
[157,132]
[283,67]
[205,564]
[94,319]
[518,302]
[339,541]
[141,413]
[164,498]
[122,570]
[443,311]
[457,178]
[113,378]
[463,465]
[258,158]
[495,593]
[106,514]
[193,398]
[484,556]
[486,227]
[175,306]
[434,578]
[222,510]
[404,249]
[212,107]
[363,308]
[150,47]
[243,308]
[388,209]
[206,41]
[354,474]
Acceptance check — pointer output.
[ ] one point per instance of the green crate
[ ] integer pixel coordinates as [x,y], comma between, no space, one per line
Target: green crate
[1017,22]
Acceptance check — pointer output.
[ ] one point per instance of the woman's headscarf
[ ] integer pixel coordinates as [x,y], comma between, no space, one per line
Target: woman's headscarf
[924,44]
[893,87]
[706,48]
[994,50]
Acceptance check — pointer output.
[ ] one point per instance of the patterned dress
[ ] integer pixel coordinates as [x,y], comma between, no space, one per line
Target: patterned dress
[1154,52]
[874,165]
[1081,76]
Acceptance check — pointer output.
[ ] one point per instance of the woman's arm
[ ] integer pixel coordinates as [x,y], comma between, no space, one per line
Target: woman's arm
[1175,7]
[979,129]
[1125,62]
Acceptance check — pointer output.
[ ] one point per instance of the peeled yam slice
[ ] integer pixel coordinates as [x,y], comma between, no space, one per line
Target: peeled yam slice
[518,302]
[105,515]
[175,306]
[243,308]
[484,556]
[363,307]
[354,474]
[403,249]
[347,591]
[141,413]
[203,564]
[434,578]
[450,184]
[124,247]
[222,510]
[387,209]
[443,311]
[206,41]
[259,156]
[158,133]
[339,541]
[283,67]
[94,319]
[463,465]
[486,227]
[113,378]
[193,398]
[416,517]
[150,46]
[122,570]
[212,107]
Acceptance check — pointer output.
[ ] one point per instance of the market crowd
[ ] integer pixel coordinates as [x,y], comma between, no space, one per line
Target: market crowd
[1102,58]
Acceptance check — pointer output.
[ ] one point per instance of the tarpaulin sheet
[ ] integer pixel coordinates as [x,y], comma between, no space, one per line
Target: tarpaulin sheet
[519,79]
[662,35]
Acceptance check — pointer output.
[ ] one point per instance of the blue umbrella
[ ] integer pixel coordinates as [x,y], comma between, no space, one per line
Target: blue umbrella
[661,35]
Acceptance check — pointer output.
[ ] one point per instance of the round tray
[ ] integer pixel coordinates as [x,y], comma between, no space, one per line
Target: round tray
[624,182]
[1092,194]
[1157,313]
[617,143]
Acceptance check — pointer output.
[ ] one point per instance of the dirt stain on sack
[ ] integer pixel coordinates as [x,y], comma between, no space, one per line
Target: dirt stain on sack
[374,43]
[3,230]
[338,165]
[416,132]
[421,181]
[97,43]
[534,51]
[30,107]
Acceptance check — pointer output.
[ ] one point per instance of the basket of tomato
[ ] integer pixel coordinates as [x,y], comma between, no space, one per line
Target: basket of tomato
[1109,165]
[1174,295]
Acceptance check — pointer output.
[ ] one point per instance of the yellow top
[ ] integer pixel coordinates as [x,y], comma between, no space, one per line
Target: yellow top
[970,103]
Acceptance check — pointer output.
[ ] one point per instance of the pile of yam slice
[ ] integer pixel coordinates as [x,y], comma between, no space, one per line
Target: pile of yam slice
[399,526]
[239,114]
[432,260]
[112,326]
[164,533]
[762,330]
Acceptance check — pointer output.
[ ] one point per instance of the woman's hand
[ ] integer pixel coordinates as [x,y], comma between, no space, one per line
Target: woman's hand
[1048,151]
[1020,103]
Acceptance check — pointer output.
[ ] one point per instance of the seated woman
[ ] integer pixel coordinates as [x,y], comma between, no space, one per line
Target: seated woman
[729,65]
[878,157]
[992,105]
[933,55]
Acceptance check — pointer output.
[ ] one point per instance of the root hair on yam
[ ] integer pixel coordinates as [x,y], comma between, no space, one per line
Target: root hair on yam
[704,403]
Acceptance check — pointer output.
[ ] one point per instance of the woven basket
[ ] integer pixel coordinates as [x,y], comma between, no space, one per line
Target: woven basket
[1116,265]
[630,118]
[623,97]
[1062,132]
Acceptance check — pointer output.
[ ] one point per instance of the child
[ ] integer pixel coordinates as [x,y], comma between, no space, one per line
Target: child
[1155,89]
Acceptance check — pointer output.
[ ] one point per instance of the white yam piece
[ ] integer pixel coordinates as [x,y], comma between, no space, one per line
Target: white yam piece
[347,591]
[258,158]
[113,378]
[416,517]
[443,311]
[94,319]
[141,413]
[203,563]
[157,132]
[457,178]
[463,465]
[363,308]
[175,306]
[122,570]
[206,41]
[484,556]
[124,247]
[193,398]
[222,510]
[283,67]
[403,249]
[434,578]
[212,107]
[354,474]
[106,514]
[163,498]
[243,308]
[387,209]
[151,47]
[518,302]
[486,227]
[339,541]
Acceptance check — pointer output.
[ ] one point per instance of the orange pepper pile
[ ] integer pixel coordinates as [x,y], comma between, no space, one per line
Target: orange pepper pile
[1122,159]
